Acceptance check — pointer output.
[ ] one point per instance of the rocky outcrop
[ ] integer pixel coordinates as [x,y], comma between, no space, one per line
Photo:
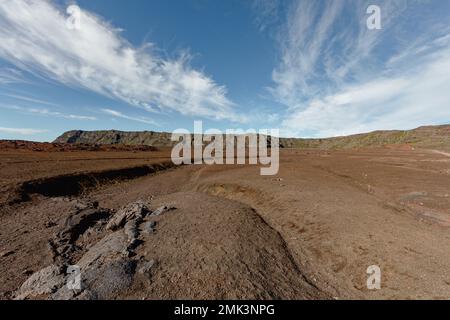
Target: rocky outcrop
[133,211]
[106,267]
[45,281]
[114,137]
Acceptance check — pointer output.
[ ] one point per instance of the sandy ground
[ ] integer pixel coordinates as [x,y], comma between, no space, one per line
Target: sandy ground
[308,233]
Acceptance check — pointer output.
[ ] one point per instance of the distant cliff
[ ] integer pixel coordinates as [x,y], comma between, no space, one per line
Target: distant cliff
[437,137]
[147,138]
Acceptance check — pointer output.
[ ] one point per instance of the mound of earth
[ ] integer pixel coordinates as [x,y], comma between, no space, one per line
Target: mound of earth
[185,245]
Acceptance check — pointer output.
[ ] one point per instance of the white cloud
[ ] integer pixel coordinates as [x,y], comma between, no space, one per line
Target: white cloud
[337,77]
[21,131]
[118,114]
[10,75]
[47,112]
[325,42]
[266,13]
[414,99]
[28,99]
[35,39]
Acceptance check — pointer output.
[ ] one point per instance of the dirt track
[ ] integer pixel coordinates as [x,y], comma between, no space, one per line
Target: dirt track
[310,232]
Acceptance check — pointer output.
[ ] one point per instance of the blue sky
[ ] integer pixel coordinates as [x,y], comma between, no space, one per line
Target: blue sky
[310,68]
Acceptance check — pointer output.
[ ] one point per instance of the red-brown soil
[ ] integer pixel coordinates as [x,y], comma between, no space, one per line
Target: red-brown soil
[308,233]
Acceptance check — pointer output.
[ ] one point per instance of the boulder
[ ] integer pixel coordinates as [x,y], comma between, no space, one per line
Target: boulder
[44,281]
[138,209]
[149,227]
[162,210]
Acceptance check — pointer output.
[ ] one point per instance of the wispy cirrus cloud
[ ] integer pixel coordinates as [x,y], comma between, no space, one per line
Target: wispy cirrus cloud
[28,99]
[267,13]
[338,77]
[35,39]
[10,75]
[118,114]
[47,112]
[417,98]
[21,131]
[326,43]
